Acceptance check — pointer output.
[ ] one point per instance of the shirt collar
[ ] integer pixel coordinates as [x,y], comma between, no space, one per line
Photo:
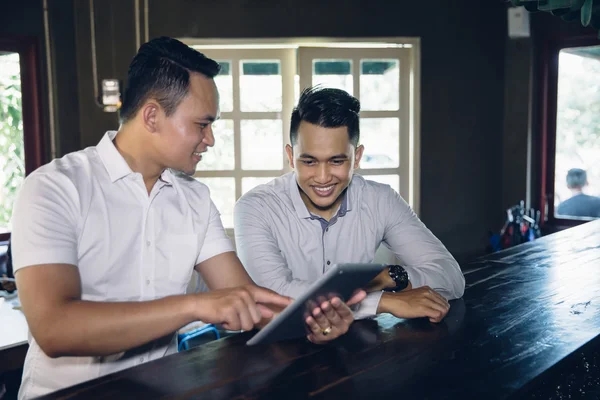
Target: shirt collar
[300,207]
[115,164]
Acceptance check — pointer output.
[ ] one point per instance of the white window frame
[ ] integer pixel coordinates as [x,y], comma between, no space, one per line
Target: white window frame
[284,49]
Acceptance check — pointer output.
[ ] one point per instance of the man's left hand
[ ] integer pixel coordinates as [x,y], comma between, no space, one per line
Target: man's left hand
[332,318]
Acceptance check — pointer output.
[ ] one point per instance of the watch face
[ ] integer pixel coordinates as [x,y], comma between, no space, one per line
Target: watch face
[400,277]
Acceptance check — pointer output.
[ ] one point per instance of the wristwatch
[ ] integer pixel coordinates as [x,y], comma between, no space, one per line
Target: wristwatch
[400,277]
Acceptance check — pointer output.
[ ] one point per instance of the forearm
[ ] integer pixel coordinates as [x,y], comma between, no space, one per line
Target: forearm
[286,287]
[382,281]
[444,276]
[84,328]
[384,303]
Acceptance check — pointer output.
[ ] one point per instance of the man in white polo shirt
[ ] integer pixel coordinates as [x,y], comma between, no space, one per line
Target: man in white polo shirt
[105,239]
[291,230]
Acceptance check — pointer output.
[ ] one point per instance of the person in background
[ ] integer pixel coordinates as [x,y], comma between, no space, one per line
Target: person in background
[579,204]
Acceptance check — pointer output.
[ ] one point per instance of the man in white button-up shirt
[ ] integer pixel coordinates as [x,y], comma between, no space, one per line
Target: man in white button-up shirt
[105,239]
[290,231]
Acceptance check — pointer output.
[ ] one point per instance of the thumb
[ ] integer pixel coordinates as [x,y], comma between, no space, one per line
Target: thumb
[357,297]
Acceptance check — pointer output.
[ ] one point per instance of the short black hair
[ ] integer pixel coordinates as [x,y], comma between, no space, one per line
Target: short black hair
[328,108]
[576,178]
[161,70]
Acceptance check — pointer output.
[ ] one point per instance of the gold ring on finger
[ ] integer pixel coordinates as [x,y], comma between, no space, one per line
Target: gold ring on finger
[326,331]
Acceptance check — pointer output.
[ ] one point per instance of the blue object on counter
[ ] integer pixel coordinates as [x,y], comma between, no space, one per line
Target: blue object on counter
[184,338]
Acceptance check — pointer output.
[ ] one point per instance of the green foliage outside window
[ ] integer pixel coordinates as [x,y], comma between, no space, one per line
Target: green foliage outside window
[12,154]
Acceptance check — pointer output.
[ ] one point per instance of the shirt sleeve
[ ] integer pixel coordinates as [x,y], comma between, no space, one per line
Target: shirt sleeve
[368,307]
[216,240]
[45,221]
[258,250]
[424,257]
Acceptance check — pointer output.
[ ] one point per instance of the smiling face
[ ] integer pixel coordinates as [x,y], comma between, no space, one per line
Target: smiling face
[183,136]
[324,160]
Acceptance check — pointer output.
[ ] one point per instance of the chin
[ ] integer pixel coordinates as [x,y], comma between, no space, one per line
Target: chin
[324,204]
[189,172]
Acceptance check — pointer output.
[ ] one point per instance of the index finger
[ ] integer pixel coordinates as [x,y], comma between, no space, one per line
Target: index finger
[267,296]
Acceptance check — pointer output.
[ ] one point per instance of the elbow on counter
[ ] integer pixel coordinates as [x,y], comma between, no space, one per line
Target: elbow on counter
[458,287]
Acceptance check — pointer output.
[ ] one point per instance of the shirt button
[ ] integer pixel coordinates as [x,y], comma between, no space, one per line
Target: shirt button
[328,262]
[327,230]
[147,281]
[148,243]
[141,359]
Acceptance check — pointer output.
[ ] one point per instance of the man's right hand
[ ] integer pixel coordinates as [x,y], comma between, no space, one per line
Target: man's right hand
[240,307]
[415,303]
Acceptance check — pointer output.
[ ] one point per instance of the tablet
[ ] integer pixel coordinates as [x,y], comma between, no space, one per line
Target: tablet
[341,281]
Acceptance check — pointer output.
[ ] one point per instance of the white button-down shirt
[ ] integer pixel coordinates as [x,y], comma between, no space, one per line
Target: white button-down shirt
[286,248]
[89,209]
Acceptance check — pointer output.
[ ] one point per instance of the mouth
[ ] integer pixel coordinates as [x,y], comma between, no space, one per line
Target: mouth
[197,156]
[323,191]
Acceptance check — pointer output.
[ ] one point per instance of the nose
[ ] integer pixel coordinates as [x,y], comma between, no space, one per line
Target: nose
[209,137]
[323,173]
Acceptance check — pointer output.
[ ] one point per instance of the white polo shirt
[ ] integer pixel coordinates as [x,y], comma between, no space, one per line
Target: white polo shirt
[91,210]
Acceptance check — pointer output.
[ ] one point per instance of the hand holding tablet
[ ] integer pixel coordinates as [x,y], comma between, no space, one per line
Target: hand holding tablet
[342,280]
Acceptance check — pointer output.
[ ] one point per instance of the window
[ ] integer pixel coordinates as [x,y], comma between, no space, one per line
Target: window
[577,159]
[256,103]
[259,86]
[12,154]
[20,122]
[571,132]
[377,78]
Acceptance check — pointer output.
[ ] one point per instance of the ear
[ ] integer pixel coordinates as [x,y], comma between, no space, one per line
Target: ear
[358,156]
[150,114]
[290,154]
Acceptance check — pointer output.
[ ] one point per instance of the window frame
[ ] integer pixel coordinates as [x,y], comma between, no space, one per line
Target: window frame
[215,46]
[307,55]
[33,129]
[548,97]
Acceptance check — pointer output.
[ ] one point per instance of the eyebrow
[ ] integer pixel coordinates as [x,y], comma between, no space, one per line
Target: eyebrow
[337,156]
[210,118]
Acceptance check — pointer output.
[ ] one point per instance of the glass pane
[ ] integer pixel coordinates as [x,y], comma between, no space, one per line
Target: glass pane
[222,193]
[333,73]
[577,170]
[224,83]
[392,180]
[262,144]
[260,85]
[250,183]
[12,153]
[380,84]
[381,138]
[221,156]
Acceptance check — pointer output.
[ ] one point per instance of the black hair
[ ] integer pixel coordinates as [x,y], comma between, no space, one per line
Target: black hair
[328,108]
[576,178]
[161,70]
